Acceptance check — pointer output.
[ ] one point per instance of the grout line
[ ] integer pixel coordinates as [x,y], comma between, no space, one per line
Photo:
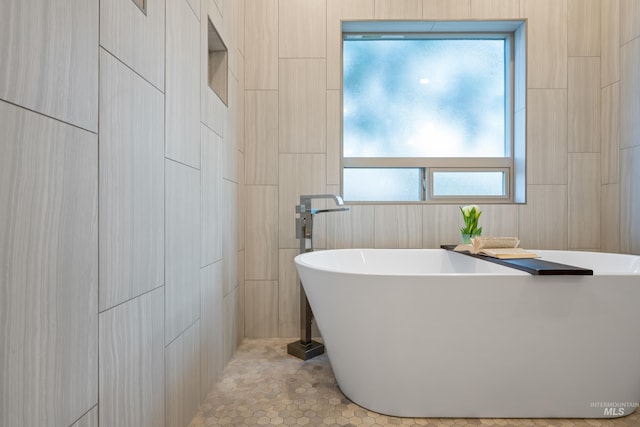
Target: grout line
[39,113]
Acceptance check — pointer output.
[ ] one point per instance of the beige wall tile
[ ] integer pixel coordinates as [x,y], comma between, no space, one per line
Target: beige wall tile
[398,226]
[352,229]
[230,330]
[182,377]
[182,101]
[302,26]
[338,10]
[302,106]
[494,9]
[610,218]
[50,59]
[610,143]
[261,44]
[195,7]
[261,302]
[334,136]
[230,238]
[240,110]
[211,183]
[610,41]
[542,222]
[441,225]
[288,295]
[584,105]
[240,309]
[211,324]
[498,220]
[132,362]
[583,27]
[90,419]
[300,174]
[136,38]
[182,248]
[261,124]
[547,136]
[131,184]
[629,94]
[49,253]
[398,9]
[240,25]
[629,20]
[230,139]
[630,200]
[547,47]
[262,231]
[584,200]
[241,213]
[446,9]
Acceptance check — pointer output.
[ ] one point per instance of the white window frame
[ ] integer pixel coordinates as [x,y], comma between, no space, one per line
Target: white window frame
[513,164]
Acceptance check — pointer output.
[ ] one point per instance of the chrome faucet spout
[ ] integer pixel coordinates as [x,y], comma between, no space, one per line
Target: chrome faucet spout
[306,199]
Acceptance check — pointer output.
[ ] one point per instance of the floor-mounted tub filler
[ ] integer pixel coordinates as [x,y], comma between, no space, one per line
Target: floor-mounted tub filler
[432,333]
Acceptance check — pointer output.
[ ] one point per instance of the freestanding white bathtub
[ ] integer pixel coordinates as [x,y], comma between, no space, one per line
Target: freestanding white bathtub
[432,333]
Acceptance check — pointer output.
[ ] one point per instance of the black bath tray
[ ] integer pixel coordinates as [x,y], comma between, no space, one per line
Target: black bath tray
[533,266]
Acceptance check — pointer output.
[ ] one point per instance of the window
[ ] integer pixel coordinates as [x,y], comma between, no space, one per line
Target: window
[433,111]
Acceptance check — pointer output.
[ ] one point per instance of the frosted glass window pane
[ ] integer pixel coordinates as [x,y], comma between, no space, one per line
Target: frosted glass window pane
[424,98]
[381,185]
[468,184]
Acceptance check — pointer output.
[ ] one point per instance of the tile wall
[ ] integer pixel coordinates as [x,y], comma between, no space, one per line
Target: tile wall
[121,228]
[583,107]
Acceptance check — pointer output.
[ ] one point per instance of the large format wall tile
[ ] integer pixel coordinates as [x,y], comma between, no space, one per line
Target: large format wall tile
[610,128]
[211,324]
[302,106]
[629,90]
[131,184]
[547,136]
[584,27]
[584,200]
[230,237]
[261,126]
[610,218]
[261,302]
[584,105]
[182,248]
[630,200]
[629,20]
[182,377]
[261,44]
[132,362]
[352,229]
[90,419]
[262,229]
[495,9]
[230,329]
[49,52]
[49,270]
[440,225]
[135,37]
[334,137]
[338,10]
[288,295]
[182,102]
[444,9]
[398,226]
[610,41]
[542,222]
[398,9]
[547,42]
[211,198]
[300,174]
[302,26]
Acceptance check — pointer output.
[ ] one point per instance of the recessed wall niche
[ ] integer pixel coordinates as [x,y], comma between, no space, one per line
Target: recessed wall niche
[217,64]
[142,5]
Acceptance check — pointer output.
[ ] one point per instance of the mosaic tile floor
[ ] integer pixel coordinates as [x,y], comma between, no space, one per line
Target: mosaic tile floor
[262,385]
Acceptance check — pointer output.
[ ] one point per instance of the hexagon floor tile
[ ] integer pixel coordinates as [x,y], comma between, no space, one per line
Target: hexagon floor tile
[263,385]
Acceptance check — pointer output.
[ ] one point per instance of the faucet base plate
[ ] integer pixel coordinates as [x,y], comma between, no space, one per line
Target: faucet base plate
[305,351]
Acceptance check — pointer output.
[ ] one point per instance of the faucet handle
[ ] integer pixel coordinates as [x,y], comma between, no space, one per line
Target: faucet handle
[306,199]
